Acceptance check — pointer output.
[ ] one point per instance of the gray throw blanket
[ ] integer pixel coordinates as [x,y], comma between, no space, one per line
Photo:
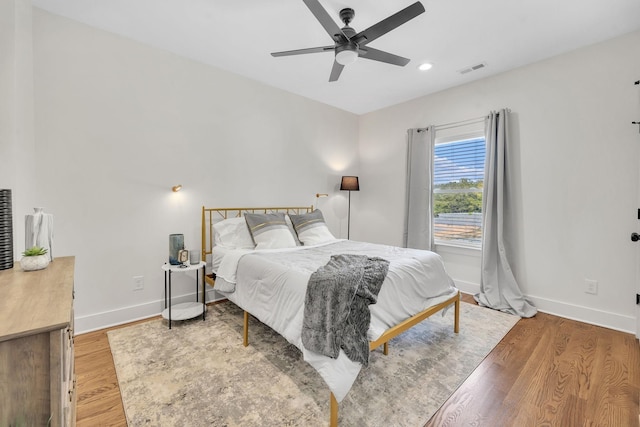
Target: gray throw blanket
[336,306]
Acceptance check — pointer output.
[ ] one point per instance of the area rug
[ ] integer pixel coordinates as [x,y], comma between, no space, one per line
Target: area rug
[199,374]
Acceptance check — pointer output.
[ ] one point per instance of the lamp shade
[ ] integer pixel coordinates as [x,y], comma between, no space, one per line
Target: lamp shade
[350,183]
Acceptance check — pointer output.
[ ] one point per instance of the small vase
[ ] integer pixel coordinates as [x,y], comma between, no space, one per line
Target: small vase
[194,257]
[38,231]
[176,244]
[32,263]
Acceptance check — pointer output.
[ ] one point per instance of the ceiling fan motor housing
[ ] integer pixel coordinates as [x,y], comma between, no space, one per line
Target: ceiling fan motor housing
[348,31]
[346,50]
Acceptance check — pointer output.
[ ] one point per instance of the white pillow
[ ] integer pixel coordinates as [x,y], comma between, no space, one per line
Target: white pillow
[233,233]
[270,231]
[311,228]
[315,236]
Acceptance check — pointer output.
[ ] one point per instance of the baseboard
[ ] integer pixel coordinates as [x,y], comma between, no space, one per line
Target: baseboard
[107,319]
[593,316]
[467,287]
[589,315]
[93,322]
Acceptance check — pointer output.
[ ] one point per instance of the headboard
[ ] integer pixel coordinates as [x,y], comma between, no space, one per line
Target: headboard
[212,215]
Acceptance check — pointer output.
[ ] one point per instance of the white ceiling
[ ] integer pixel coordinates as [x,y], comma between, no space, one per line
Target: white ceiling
[239,35]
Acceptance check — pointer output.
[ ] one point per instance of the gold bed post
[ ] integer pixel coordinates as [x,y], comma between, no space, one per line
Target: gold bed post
[333,420]
[456,322]
[245,339]
[203,252]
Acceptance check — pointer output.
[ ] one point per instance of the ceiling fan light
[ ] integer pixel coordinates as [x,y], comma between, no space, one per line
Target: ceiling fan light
[425,66]
[346,57]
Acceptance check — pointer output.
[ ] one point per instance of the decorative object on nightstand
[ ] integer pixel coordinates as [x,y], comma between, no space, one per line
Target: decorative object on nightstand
[349,183]
[194,257]
[183,256]
[185,310]
[35,258]
[6,230]
[176,244]
[38,231]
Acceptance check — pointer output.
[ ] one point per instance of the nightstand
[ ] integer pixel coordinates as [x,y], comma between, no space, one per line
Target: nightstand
[185,310]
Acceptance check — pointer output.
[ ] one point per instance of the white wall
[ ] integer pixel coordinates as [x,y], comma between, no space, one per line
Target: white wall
[575,182]
[119,123]
[17,150]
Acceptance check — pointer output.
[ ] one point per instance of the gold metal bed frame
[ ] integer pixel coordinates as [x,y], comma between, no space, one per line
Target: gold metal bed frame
[212,215]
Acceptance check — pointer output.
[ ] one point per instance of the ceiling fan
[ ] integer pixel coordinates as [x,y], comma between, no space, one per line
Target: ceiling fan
[349,45]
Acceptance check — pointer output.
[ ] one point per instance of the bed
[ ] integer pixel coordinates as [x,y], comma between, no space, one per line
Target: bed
[265,269]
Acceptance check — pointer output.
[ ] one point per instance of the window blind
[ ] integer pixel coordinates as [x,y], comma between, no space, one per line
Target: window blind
[457,193]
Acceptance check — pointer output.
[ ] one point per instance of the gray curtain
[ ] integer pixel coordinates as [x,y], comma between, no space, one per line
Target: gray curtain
[418,232]
[498,286]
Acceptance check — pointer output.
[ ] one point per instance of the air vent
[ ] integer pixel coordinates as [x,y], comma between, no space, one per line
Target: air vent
[473,68]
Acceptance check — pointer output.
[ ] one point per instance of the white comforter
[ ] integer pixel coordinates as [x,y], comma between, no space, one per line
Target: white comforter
[271,285]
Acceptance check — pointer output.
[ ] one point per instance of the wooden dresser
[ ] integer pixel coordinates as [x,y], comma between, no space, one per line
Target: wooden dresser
[37,380]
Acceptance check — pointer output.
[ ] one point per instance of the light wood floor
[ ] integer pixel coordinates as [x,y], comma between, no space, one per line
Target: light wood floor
[548,371]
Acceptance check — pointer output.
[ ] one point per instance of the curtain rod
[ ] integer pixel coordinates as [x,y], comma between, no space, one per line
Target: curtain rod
[460,123]
[454,124]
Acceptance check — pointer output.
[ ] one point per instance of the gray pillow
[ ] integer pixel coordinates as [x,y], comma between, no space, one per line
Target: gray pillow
[311,228]
[270,231]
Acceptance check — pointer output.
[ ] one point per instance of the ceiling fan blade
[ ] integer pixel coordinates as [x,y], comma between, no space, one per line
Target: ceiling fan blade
[335,71]
[325,20]
[388,24]
[382,56]
[303,51]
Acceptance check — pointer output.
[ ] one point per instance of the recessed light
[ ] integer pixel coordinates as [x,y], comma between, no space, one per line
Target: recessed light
[425,66]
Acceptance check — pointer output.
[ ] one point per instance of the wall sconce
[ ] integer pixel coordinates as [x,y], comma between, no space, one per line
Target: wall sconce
[349,183]
[176,188]
[318,195]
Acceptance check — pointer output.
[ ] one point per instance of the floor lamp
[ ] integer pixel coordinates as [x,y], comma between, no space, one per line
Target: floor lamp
[349,183]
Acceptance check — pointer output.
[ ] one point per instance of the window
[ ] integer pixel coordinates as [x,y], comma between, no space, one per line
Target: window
[457,190]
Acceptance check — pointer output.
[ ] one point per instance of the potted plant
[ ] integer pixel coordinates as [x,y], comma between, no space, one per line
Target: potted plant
[35,258]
